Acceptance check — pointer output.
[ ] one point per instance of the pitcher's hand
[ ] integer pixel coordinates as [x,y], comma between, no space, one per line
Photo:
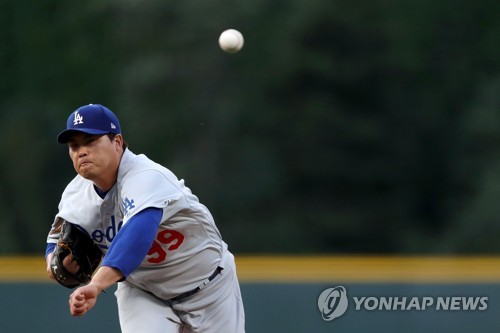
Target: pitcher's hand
[83,299]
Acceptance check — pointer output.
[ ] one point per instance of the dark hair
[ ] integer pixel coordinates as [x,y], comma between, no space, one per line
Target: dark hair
[111,136]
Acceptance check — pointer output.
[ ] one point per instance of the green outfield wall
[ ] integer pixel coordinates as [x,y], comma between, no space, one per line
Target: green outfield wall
[284,297]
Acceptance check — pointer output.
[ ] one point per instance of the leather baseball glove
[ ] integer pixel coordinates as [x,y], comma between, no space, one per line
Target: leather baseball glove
[75,241]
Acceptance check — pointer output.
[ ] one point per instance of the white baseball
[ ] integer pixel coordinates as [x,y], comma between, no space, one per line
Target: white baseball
[231,40]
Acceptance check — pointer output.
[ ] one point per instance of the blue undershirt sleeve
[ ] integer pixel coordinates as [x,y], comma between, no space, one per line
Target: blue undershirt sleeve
[50,248]
[133,241]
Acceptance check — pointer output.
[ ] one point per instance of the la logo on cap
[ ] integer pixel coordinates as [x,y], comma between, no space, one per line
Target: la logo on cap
[78,119]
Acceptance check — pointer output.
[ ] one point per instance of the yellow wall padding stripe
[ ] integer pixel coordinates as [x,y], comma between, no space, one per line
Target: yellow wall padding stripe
[322,269]
[371,269]
[23,269]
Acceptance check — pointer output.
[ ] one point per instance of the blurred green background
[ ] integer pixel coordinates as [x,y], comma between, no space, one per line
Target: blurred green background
[341,127]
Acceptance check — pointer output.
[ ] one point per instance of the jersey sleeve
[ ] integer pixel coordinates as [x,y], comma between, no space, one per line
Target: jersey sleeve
[152,188]
[133,241]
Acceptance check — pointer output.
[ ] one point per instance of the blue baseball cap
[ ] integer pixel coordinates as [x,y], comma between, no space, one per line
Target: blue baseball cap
[90,119]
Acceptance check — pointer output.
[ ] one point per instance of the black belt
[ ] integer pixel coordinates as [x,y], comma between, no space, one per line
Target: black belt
[201,286]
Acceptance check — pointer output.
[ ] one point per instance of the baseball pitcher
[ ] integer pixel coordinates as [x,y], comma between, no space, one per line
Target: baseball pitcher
[156,240]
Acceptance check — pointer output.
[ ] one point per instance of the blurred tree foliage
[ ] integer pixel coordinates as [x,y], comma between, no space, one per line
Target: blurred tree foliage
[342,127]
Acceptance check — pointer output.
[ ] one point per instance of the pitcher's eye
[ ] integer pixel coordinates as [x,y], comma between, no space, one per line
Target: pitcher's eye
[73,146]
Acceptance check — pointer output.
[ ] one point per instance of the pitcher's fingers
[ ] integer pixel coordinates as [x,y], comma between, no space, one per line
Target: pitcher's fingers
[78,311]
[70,264]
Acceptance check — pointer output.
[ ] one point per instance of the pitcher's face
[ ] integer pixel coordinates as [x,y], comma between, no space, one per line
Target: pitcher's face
[96,157]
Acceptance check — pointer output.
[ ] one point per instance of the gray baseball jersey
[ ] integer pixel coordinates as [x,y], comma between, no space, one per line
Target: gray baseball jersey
[188,246]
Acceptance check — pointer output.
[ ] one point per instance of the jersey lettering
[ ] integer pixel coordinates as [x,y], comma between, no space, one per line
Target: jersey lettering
[109,234]
[172,238]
